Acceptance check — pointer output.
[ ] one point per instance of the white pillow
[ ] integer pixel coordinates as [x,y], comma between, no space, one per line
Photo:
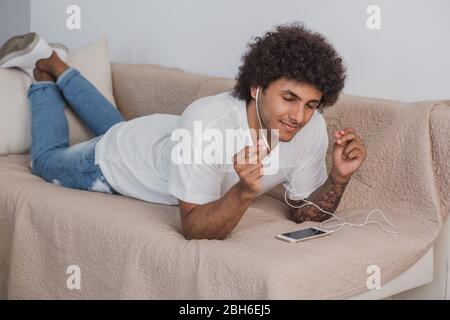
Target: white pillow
[15,115]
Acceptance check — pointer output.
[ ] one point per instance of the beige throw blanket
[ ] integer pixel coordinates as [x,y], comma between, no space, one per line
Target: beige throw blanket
[127,248]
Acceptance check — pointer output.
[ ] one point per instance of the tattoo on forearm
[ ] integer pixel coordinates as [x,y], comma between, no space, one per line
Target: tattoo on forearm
[327,197]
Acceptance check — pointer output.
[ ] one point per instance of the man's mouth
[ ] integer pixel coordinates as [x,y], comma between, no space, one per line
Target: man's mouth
[289,127]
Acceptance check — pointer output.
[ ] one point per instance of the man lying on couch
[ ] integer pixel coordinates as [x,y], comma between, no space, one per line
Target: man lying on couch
[286,76]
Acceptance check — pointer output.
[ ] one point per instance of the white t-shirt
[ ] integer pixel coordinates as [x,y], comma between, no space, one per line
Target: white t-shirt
[136,156]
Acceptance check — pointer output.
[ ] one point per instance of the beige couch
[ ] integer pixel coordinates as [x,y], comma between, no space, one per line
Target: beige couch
[126,248]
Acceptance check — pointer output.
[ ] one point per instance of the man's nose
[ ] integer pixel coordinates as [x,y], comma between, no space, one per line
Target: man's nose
[298,116]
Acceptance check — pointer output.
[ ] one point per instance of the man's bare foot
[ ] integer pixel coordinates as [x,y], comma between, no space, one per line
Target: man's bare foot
[40,75]
[52,65]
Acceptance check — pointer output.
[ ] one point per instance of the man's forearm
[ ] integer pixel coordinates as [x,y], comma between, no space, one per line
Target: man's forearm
[216,219]
[327,197]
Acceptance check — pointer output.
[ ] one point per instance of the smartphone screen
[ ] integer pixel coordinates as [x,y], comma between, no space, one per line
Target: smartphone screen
[305,233]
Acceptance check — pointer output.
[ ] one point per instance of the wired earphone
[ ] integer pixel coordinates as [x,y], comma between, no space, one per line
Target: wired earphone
[340,221]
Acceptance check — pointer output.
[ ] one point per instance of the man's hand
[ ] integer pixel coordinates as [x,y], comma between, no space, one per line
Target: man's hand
[216,219]
[248,166]
[348,155]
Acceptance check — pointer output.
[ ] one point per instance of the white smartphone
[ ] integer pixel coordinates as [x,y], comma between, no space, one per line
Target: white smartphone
[303,234]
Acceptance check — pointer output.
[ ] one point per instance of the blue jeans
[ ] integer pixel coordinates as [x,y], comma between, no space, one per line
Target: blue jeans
[51,157]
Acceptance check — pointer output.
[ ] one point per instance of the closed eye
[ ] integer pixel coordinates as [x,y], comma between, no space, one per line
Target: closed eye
[293,99]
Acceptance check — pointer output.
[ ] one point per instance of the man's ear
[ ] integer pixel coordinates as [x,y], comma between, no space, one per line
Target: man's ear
[253,92]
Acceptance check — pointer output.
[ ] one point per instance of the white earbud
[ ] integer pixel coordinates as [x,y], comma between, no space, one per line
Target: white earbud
[259,120]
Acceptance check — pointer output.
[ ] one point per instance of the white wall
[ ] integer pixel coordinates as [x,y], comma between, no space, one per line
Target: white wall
[14,18]
[408,59]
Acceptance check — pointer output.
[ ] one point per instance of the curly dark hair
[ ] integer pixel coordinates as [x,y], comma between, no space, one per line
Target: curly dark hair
[294,52]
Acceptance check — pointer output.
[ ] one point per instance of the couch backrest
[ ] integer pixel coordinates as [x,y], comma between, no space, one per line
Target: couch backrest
[141,89]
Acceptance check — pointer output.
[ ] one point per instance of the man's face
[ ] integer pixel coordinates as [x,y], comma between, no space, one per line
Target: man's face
[287,105]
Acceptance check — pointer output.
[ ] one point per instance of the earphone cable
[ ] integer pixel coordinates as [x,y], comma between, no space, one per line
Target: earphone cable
[341,222]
